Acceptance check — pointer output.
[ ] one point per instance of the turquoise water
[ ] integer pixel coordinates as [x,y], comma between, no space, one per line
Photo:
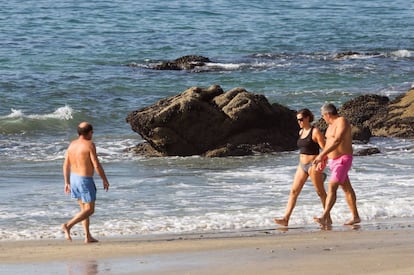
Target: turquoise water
[67,61]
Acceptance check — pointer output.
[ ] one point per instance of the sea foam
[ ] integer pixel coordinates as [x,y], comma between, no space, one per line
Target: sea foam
[402,53]
[61,113]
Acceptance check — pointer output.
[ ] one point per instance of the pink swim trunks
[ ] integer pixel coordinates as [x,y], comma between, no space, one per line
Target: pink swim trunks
[339,168]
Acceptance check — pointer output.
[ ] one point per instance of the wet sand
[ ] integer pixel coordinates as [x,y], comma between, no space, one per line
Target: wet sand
[349,251]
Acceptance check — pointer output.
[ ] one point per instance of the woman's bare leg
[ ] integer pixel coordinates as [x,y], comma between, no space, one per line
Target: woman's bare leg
[317,178]
[298,182]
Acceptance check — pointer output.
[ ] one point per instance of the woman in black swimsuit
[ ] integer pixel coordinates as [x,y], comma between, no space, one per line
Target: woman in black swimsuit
[309,142]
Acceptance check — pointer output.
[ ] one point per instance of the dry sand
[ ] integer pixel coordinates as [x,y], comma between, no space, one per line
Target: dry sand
[264,252]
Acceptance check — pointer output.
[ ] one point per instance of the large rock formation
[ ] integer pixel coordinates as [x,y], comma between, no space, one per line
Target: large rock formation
[212,122]
[374,115]
[397,120]
[360,110]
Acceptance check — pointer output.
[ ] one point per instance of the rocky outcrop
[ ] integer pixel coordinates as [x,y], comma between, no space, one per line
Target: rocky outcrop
[397,120]
[367,152]
[359,111]
[187,62]
[211,122]
[374,115]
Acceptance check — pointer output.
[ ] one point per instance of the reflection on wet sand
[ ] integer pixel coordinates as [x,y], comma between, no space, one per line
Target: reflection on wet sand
[89,267]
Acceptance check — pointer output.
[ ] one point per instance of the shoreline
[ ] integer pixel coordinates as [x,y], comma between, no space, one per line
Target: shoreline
[385,250]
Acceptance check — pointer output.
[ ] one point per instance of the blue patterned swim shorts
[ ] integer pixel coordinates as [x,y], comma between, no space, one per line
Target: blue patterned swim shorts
[82,188]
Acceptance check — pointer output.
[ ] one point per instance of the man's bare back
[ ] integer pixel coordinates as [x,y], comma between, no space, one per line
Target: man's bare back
[80,155]
[80,163]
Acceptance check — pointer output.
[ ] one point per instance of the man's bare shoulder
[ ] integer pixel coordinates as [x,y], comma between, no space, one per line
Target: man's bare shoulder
[344,123]
[80,144]
[72,144]
[340,121]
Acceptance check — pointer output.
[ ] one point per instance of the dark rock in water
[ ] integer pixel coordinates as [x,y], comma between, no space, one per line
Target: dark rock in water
[145,149]
[397,120]
[367,152]
[345,54]
[374,115]
[187,62]
[359,111]
[211,122]
[231,150]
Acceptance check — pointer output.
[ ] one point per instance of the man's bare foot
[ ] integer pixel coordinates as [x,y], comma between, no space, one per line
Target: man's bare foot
[322,222]
[353,221]
[282,222]
[91,240]
[66,230]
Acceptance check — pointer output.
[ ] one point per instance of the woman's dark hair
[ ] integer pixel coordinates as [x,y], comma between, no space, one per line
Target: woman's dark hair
[306,113]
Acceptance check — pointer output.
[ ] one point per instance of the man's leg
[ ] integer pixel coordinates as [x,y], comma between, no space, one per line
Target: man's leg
[87,210]
[351,200]
[85,222]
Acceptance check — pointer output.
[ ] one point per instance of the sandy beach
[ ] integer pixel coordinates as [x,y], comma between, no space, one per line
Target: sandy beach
[254,252]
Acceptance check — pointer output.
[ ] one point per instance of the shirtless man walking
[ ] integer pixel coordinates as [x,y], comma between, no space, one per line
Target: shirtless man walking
[338,148]
[80,163]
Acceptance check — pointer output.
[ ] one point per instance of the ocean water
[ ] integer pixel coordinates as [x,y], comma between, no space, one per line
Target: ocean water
[62,62]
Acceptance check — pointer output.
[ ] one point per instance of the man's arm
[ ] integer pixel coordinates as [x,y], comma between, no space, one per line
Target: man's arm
[98,167]
[66,173]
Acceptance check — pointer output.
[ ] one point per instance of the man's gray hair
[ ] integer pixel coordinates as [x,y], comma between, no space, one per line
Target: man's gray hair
[329,108]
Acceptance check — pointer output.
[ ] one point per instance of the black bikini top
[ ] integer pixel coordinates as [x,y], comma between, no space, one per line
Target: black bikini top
[307,146]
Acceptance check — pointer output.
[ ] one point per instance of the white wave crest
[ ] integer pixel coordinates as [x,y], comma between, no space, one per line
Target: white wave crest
[62,113]
[402,53]
[225,66]
[15,114]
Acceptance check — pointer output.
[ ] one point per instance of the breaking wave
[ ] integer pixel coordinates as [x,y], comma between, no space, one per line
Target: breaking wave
[17,122]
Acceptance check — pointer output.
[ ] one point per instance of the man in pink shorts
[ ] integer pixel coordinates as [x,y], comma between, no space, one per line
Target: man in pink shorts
[338,148]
